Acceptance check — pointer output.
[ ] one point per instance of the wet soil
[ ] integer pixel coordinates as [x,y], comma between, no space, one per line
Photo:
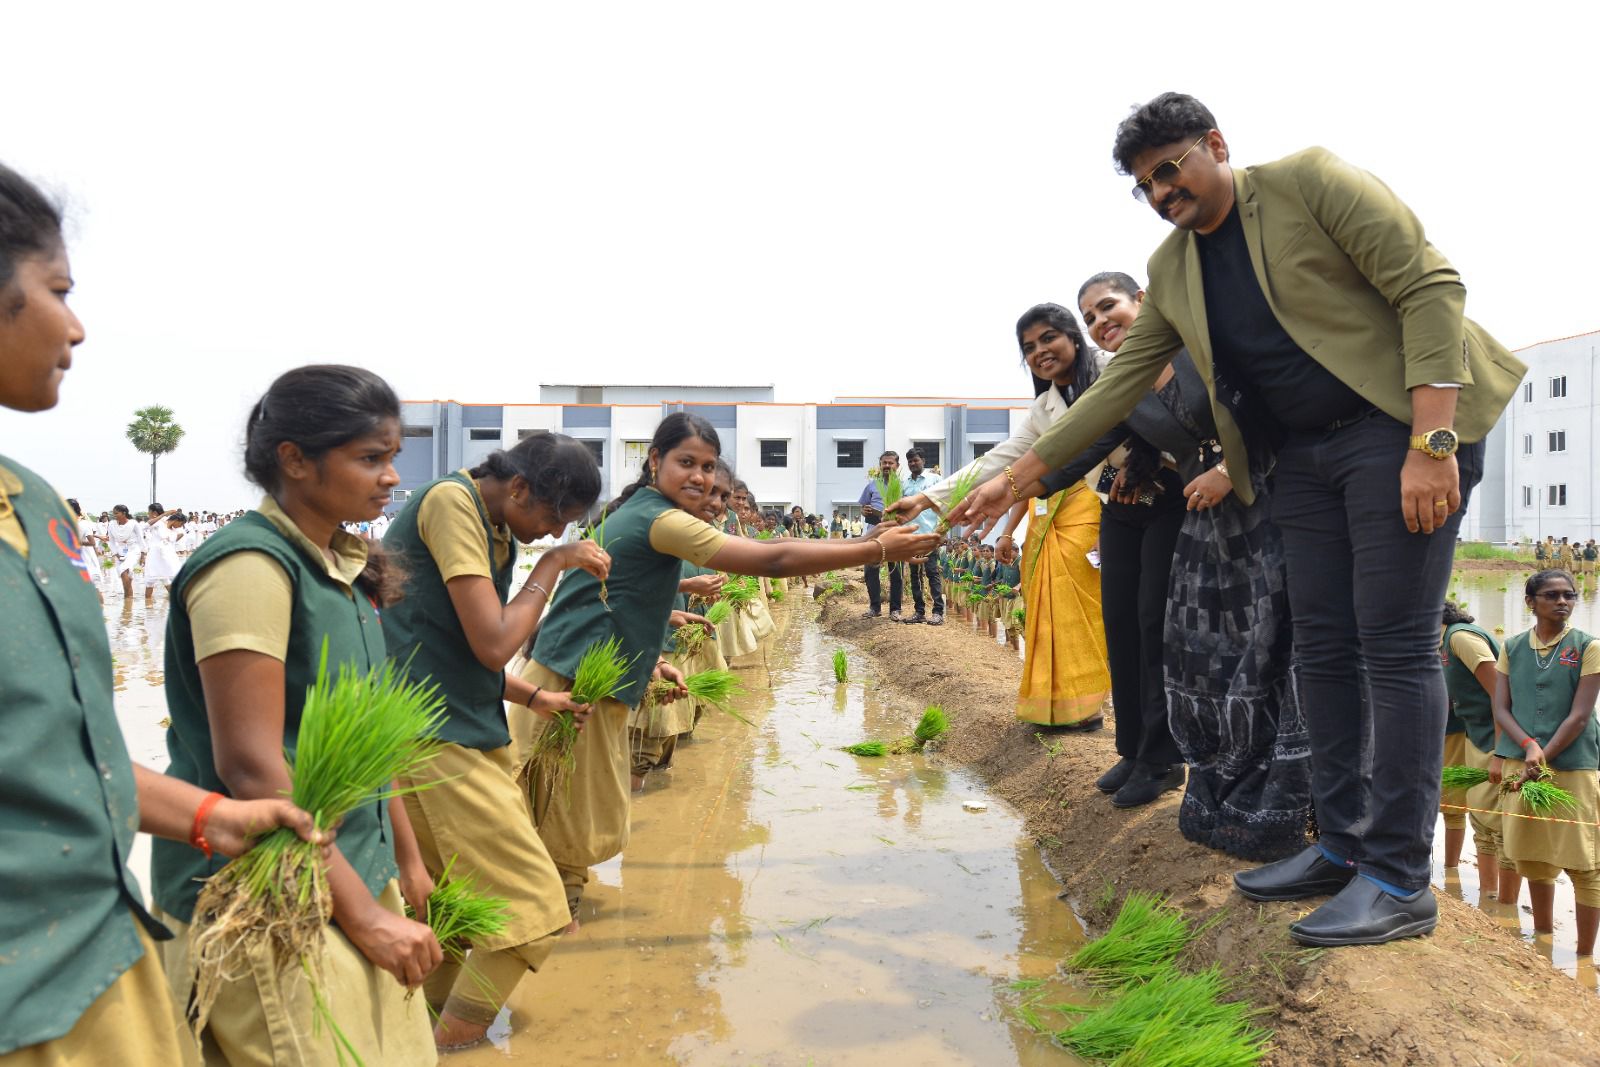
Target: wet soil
[1472,993]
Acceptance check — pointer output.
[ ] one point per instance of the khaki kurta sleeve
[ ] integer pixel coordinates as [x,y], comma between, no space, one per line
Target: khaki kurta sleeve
[244,601]
[1470,649]
[677,533]
[449,524]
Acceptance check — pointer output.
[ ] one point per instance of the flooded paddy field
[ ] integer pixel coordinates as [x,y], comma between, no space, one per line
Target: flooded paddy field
[780,902]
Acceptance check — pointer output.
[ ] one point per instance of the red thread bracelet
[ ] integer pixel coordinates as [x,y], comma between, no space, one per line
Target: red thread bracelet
[1526,742]
[197,836]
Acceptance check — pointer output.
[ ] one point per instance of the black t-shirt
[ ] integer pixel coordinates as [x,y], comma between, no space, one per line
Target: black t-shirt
[1250,347]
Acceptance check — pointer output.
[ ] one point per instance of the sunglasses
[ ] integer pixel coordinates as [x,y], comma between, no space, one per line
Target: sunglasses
[1163,173]
[1553,595]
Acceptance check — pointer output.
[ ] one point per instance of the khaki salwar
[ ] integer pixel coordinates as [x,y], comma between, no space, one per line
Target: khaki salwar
[267,1017]
[653,729]
[1541,848]
[1453,802]
[134,1023]
[584,822]
[1064,675]
[1483,804]
[480,816]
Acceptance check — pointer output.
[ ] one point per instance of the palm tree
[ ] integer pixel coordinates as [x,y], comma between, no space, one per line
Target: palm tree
[152,430]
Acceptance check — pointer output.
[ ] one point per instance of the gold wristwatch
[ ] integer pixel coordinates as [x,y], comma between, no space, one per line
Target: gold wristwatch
[1439,444]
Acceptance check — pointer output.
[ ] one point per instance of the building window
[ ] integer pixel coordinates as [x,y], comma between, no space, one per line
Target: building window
[1557,495]
[528,431]
[775,453]
[1558,440]
[590,394]
[1527,496]
[596,449]
[635,454]
[1527,392]
[981,448]
[851,454]
[930,451]
[417,431]
[1558,386]
[399,496]
[483,434]
[1527,444]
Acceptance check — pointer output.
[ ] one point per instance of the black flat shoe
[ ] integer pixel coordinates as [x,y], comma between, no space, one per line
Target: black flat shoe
[1364,914]
[1146,784]
[1308,873]
[1085,726]
[1116,777]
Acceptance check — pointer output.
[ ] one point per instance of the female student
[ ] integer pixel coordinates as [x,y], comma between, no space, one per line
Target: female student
[1468,653]
[126,542]
[1544,706]
[80,980]
[1064,677]
[455,541]
[654,728]
[1006,573]
[650,529]
[250,614]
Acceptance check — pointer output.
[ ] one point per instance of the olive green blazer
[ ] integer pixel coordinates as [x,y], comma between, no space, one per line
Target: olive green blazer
[1351,277]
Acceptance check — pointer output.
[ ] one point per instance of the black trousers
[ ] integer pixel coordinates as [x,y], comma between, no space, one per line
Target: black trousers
[930,571]
[875,590]
[1137,542]
[1365,590]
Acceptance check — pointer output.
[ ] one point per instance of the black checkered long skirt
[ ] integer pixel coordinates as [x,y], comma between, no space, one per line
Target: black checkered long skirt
[1231,694]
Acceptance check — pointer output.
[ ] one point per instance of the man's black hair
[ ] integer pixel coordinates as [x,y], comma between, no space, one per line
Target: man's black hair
[1168,119]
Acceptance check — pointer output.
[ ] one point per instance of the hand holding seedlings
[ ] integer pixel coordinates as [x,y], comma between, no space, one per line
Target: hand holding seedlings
[907,508]
[1497,769]
[234,825]
[550,705]
[906,542]
[704,586]
[586,555]
[666,672]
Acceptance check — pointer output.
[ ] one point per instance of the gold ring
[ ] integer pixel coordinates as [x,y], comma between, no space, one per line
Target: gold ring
[1441,503]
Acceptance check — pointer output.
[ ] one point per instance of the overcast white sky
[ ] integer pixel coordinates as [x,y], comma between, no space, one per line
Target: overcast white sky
[833,197]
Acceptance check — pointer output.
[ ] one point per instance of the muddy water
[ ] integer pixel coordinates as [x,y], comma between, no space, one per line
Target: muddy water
[781,902]
[1496,600]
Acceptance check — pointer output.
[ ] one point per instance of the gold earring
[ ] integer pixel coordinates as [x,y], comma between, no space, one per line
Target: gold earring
[652,476]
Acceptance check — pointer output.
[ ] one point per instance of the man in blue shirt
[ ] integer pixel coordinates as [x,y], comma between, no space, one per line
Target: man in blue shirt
[872,511]
[920,481]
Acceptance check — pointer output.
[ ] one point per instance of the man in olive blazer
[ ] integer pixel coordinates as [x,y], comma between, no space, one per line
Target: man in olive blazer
[1310,289]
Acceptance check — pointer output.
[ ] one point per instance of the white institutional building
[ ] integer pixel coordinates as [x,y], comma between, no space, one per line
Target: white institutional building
[1540,477]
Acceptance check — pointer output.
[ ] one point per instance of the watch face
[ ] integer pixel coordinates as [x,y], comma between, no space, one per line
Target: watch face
[1442,441]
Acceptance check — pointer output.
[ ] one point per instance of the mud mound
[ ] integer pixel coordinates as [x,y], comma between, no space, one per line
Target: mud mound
[1470,994]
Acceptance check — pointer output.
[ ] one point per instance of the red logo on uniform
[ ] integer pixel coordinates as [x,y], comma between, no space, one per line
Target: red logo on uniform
[71,548]
[1570,657]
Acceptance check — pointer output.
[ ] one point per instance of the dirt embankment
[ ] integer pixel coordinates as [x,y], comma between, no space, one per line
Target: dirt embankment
[1470,994]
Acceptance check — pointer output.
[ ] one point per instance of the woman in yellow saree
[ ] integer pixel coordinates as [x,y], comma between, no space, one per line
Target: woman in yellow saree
[1065,680]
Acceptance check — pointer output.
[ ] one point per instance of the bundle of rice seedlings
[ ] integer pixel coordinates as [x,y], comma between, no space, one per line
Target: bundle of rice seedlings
[1543,797]
[873,749]
[1002,590]
[933,724]
[459,914]
[597,534]
[841,666]
[777,593]
[360,735]
[1458,777]
[1019,616]
[690,638]
[599,676]
[714,687]
[889,488]
[739,590]
[1173,1019]
[965,483]
[1144,939]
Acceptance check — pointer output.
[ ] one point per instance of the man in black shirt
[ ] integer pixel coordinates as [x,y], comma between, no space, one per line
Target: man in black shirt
[1312,291]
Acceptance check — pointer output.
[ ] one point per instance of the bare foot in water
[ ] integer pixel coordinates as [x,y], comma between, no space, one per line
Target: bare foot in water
[454,1033]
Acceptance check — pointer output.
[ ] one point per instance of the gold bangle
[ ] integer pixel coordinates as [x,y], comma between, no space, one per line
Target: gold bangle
[883,551]
[1223,467]
[1015,495]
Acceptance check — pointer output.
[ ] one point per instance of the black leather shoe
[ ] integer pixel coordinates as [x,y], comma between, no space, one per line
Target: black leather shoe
[1116,777]
[1308,873]
[1364,914]
[1146,784]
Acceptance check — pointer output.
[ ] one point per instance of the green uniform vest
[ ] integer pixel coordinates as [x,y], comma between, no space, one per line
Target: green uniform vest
[1008,574]
[639,593]
[68,808]
[322,609]
[424,630]
[1471,707]
[1541,700]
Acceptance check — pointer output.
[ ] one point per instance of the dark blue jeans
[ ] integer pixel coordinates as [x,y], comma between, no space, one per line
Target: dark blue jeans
[930,572]
[1364,590]
[875,589]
